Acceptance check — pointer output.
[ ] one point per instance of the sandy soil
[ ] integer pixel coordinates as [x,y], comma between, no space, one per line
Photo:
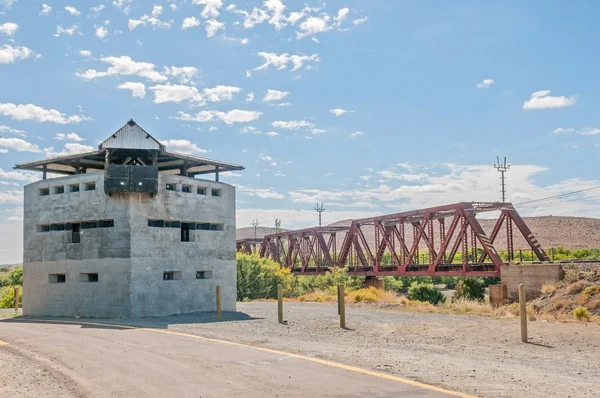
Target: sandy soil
[477,355]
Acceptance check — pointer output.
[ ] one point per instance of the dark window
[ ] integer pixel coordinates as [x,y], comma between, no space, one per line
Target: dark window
[216,192]
[74,188]
[57,278]
[59,190]
[156,223]
[204,226]
[216,227]
[57,227]
[172,224]
[172,275]
[92,277]
[185,232]
[44,191]
[201,191]
[203,274]
[186,189]
[106,223]
[170,187]
[90,186]
[43,228]
[75,233]
[89,225]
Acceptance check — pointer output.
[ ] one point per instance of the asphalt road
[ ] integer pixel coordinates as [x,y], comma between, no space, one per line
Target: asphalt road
[79,359]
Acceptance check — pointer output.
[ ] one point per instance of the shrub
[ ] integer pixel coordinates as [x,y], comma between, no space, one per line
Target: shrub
[583,298]
[327,282]
[13,278]
[7,296]
[576,287]
[548,288]
[572,275]
[365,295]
[470,289]
[425,292]
[257,278]
[592,290]
[581,313]
[392,283]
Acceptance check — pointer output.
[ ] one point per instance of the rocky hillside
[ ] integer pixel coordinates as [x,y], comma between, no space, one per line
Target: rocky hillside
[551,231]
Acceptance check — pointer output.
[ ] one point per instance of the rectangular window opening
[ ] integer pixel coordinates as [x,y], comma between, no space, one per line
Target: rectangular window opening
[57,227]
[171,275]
[186,189]
[89,225]
[88,277]
[75,233]
[172,224]
[185,232]
[216,227]
[156,223]
[201,191]
[216,192]
[43,228]
[57,278]
[170,187]
[74,188]
[90,186]
[203,226]
[106,223]
[44,191]
[203,274]
[59,190]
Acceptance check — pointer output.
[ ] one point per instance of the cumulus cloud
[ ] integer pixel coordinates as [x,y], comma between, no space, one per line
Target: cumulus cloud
[190,23]
[101,32]
[590,131]
[150,19]
[10,54]
[85,53]
[210,9]
[220,93]
[250,97]
[212,26]
[543,100]
[272,134]
[561,130]
[124,66]
[274,95]
[182,146]
[37,113]
[72,11]
[98,8]
[356,134]
[360,21]
[68,137]
[230,117]
[485,83]
[263,193]
[317,131]
[8,28]
[10,130]
[292,124]
[176,93]
[69,148]
[339,112]
[137,89]
[65,31]
[184,74]
[46,9]
[281,61]
[313,25]
[18,144]
[18,175]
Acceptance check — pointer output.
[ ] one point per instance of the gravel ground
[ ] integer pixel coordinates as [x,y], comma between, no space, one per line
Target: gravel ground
[477,355]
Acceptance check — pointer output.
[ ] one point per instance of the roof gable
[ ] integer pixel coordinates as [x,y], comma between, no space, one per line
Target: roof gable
[131,136]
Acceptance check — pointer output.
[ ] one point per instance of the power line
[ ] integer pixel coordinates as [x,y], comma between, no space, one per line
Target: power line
[557,196]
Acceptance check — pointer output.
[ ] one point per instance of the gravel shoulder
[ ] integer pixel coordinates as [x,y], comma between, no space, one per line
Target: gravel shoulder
[476,355]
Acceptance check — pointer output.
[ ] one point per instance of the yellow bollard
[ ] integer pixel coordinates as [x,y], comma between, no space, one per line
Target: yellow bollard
[523,312]
[16,299]
[342,306]
[218,303]
[280,303]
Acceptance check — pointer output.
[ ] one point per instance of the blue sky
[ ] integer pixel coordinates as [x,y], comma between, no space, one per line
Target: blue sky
[370,107]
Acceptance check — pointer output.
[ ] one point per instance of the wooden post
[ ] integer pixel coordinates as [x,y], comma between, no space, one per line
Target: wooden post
[279,303]
[342,306]
[218,303]
[523,312]
[16,299]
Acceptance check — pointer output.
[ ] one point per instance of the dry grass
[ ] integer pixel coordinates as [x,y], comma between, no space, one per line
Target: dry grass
[592,290]
[317,296]
[593,304]
[548,288]
[578,286]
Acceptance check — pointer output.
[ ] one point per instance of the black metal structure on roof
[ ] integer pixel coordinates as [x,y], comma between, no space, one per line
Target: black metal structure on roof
[131,145]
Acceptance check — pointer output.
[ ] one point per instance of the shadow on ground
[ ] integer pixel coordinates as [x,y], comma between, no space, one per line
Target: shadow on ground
[150,322]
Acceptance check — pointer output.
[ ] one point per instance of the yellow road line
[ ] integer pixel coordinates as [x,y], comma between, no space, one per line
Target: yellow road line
[288,354]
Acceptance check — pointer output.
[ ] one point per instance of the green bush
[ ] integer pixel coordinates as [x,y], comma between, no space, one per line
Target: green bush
[581,313]
[425,292]
[470,288]
[14,277]
[327,282]
[257,278]
[7,296]
[393,283]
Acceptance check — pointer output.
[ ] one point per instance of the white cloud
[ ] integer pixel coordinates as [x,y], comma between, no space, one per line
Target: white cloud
[220,93]
[318,131]
[182,146]
[98,8]
[211,7]
[156,11]
[485,83]
[10,130]
[543,100]
[9,54]
[212,26]
[292,124]
[37,113]
[137,89]
[590,131]
[190,22]
[250,97]
[272,134]
[18,175]
[67,31]
[280,174]
[151,20]
[356,134]
[341,16]
[124,66]
[392,174]
[230,117]
[185,74]
[263,193]
[360,21]
[173,6]
[249,129]
[313,25]
[280,61]
[101,32]
[46,9]
[176,93]
[11,197]
[69,149]
[266,158]
[124,5]
[18,144]
[85,53]
[274,95]
[8,28]
[339,112]
[561,130]
[73,11]
[69,137]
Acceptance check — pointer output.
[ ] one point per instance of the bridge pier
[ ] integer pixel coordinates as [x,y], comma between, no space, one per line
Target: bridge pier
[374,281]
[533,276]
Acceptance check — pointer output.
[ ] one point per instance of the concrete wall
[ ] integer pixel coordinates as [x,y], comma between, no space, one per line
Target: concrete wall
[533,276]
[130,257]
[157,250]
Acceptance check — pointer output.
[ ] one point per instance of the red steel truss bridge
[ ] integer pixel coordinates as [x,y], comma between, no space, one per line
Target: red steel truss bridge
[389,245]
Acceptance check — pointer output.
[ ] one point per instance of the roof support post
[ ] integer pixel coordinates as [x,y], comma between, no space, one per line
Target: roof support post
[44,172]
[217,173]
[106,159]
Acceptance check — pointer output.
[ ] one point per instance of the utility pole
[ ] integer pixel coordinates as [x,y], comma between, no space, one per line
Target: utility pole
[277,225]
[255,224]
[502,168]
[320,209]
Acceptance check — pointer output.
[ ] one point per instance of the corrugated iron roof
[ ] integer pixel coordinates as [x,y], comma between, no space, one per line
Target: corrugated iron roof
[131,136]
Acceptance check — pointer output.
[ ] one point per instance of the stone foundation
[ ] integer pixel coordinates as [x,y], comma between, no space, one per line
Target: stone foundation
[533,276]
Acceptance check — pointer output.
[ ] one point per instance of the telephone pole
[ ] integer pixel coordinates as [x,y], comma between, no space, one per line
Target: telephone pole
[320,209]
[502,168]
[255,224]
[277,225]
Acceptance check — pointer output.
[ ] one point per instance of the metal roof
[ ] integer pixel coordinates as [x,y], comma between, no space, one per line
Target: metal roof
[131,136]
